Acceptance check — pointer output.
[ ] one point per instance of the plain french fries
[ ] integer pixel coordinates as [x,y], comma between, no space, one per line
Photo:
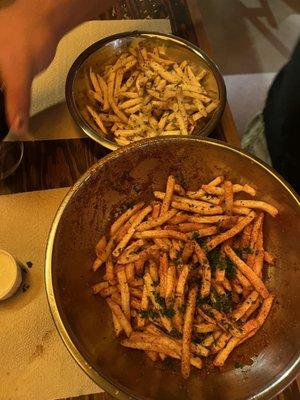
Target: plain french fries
[144,83]
[166,277]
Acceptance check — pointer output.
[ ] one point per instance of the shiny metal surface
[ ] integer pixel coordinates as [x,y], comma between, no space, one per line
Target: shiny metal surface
[83,320]
[105,50]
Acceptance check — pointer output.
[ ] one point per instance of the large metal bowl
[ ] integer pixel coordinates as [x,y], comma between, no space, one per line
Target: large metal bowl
[83,320]
[105,51]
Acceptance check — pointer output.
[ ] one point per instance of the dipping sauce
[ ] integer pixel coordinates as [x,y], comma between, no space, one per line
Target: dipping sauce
[10,275]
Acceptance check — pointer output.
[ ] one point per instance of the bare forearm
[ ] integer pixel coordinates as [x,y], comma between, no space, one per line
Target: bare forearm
[34,28]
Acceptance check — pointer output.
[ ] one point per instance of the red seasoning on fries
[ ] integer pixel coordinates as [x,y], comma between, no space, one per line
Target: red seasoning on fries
[184,267]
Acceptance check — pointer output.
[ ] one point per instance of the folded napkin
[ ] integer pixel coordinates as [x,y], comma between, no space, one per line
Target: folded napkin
[35,365]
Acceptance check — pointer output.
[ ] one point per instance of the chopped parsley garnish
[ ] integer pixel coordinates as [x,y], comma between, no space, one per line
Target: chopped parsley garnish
[168,312]
[149,314]
[230,270]
[203,300]
[177,261]
[200,240]
[199,337]
[194,280]
[223,302]
[238,365]
[214,258]
[160,300]
[175,333]
[248,250]
[239,252]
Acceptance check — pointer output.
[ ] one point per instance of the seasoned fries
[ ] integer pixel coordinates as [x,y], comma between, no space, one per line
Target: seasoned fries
[180,280]
[144,94]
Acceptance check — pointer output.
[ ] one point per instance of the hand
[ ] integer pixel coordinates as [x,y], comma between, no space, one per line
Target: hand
[27,46]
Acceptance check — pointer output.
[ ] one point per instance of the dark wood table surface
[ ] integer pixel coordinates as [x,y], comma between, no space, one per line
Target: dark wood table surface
[59,163]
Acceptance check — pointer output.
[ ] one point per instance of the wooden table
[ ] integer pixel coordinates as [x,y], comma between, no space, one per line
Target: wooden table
[59,163]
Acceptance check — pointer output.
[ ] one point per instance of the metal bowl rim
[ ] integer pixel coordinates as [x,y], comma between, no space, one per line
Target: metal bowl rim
[94,134]
[267,392]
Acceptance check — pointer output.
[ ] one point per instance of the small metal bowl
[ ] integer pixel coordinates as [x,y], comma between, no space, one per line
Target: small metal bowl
[106,50]
[129,175]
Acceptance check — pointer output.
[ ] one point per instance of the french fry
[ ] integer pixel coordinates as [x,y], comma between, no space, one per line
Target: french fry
[153,223]
[212,338]
[248,272]
[163,73]
[138,219]
[150,289]
[129,271]
[99,286]
[171,277]
[187,252]
[117,326]
[241,210]
[224,353]
[228,193]
[125,217]
[206,327]
[205,270]
[180,205]
[254,204]
[100,246]
[97,119]
[187,332]
[155,210]
[221,342]
[168,195]
[179,189]
[212,243]
[269,258]
[161,234]
[251,310]
[123,321]
[244,307]
[163,270]
[125,294]
[110,271]
[152,346]
[144,306]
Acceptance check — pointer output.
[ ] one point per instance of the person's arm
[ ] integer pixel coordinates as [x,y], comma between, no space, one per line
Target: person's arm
[29,34]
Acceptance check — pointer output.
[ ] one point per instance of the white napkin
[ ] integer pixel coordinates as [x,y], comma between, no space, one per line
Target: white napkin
[34,363]
[49,87]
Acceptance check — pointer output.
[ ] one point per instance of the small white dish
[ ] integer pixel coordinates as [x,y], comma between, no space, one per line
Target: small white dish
[10,275]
